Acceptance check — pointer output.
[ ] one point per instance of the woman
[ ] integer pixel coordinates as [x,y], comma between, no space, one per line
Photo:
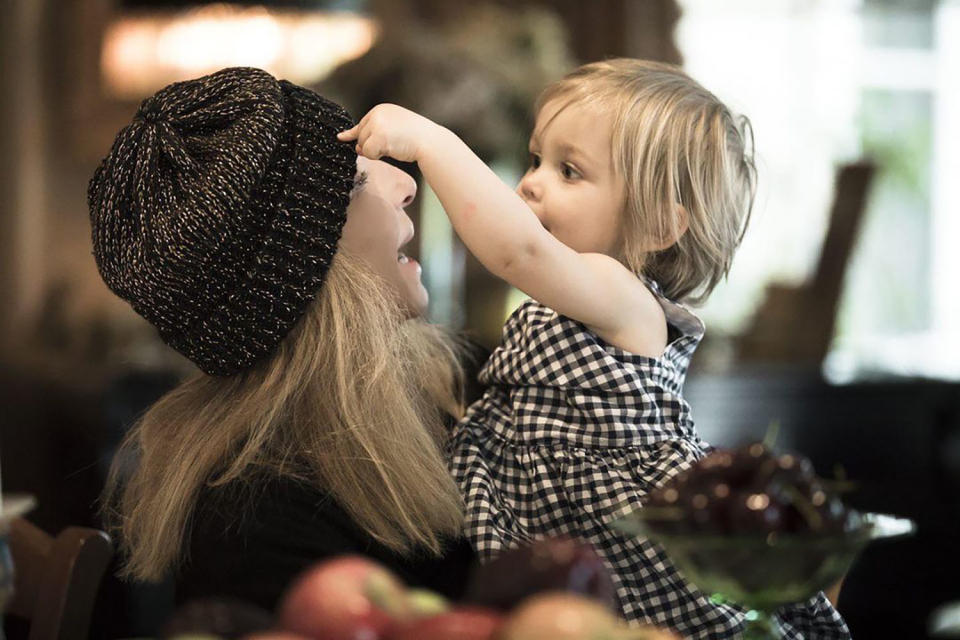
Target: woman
[264,250]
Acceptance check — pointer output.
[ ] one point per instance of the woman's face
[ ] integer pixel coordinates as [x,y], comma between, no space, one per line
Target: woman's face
[377,229]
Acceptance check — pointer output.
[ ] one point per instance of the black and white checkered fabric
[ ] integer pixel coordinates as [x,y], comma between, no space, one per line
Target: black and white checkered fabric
[573,433]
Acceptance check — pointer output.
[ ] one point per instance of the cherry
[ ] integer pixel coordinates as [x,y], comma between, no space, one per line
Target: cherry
[748,490]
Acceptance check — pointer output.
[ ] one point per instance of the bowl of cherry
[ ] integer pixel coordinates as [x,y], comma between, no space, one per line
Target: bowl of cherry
[756,529]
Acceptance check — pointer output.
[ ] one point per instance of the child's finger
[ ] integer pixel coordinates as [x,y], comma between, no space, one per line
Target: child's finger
[365,149]
[350,134]
[354,132]
[363,140]
[373,149]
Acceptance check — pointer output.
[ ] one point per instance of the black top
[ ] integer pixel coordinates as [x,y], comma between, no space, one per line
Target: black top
[255,555]
[288,526]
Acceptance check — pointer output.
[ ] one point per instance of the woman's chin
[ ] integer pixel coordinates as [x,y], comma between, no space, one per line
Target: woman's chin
[414,296]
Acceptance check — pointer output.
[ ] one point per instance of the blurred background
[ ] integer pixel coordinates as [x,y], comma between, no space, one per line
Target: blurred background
[840,320]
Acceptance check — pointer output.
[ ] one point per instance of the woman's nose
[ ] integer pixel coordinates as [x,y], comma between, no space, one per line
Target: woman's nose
[406,188]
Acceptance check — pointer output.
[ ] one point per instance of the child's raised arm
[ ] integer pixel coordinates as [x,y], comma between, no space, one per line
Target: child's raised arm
[506,236]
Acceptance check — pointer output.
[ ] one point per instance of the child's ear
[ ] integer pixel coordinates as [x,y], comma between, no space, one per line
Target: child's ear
[672,236]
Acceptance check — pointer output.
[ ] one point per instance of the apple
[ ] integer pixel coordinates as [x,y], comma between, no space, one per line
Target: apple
[559,616]
[568,616]
[459,623]
[650,633]
[423,603]
[345,598]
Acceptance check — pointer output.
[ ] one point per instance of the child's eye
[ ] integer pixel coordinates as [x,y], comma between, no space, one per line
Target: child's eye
[534,160]
[570,173]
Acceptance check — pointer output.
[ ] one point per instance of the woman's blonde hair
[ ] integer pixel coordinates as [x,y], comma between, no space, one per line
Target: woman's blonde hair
[353,401]
[674,143]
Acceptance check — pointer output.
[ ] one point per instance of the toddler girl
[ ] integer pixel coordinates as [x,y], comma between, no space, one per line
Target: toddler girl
[637,194]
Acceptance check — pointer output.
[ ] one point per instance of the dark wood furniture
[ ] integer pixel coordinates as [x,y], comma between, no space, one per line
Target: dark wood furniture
[56,579]
[795,323]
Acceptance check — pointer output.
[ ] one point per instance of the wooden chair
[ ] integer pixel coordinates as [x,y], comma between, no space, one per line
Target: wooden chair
[794,324]
[56,579]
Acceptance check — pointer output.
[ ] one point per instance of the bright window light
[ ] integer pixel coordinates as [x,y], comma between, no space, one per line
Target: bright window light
[144,52]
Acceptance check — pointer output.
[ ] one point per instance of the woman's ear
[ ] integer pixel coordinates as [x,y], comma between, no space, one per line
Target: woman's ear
[672,236]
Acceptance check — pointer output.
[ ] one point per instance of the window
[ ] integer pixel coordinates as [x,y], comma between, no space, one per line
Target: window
[826,82]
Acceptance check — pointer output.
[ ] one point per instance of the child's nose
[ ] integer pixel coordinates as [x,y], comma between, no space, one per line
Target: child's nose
[529,188]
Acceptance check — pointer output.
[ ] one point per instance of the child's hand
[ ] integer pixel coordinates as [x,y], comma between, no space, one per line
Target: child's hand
[389,130]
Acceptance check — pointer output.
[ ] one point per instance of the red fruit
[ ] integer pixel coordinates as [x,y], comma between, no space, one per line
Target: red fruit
[567,616]
[550,564]
[748,491]
[461,623]
[754,513]
[560,616]
[346,598]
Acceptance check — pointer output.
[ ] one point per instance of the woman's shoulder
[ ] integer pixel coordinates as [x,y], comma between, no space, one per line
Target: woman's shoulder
[274,505]
[257,490]
[251,539]
[269,512]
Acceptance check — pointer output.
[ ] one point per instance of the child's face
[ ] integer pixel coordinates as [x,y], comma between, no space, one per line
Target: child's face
[570,183]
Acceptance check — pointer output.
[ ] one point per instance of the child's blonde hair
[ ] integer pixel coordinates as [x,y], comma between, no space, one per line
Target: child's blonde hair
[673,143]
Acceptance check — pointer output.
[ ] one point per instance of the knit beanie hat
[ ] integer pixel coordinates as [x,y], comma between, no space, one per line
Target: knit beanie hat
[218,210]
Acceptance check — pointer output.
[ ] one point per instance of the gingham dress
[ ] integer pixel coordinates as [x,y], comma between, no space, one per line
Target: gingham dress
[573,432]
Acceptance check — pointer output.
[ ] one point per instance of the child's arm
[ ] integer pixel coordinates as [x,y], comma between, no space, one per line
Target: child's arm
[505,235]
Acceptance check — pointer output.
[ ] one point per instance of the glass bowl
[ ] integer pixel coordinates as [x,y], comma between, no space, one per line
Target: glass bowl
[761,572]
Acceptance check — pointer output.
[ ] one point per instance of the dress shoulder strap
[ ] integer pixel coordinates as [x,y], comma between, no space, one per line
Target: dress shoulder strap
[678,315]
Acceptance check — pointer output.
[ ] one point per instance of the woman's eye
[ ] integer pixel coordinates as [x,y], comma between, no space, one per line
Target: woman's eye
[359,182]
[535,160]
[570,173]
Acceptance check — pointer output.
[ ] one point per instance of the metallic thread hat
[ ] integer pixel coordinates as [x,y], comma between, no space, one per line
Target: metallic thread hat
[218,210]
